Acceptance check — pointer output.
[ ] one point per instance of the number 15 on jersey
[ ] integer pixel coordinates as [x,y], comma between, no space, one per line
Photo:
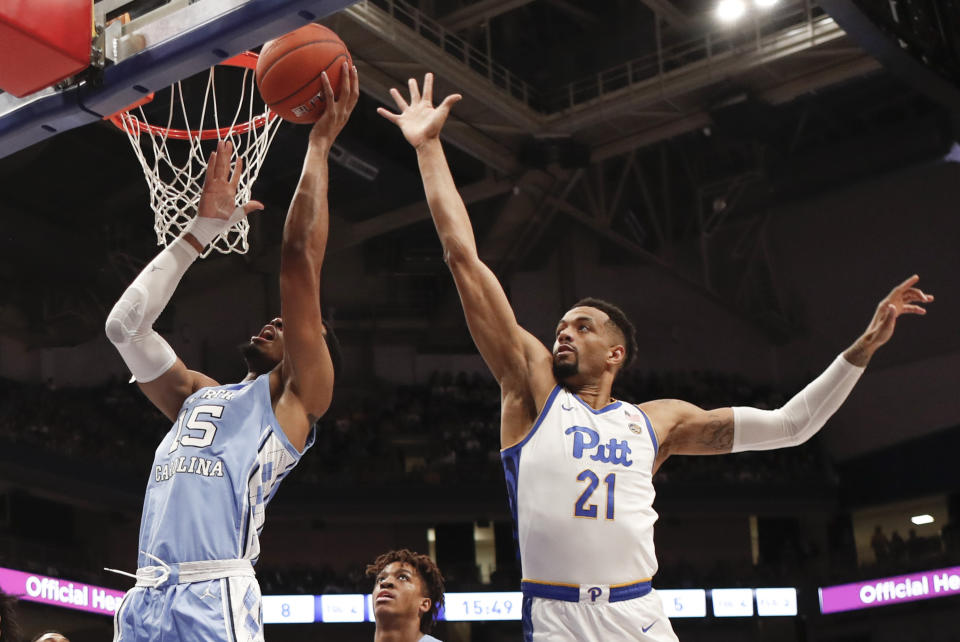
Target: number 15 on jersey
[198,421]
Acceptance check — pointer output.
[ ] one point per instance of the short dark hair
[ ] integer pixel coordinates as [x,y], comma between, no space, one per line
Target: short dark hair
[428,572]
[620,320]
[333,347]
[9,627]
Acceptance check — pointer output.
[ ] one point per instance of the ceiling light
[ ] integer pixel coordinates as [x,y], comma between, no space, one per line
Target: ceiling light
[730,10]
[920,520]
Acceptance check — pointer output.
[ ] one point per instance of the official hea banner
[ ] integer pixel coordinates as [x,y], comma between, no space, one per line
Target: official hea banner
[467,607]
[58,592]
[890,590]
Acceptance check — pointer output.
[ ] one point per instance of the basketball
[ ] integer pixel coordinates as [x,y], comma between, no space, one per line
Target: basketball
[289,72]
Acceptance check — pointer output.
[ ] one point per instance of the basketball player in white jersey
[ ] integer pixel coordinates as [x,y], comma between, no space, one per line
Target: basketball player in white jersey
[407,596]
[230,445]
[578,463]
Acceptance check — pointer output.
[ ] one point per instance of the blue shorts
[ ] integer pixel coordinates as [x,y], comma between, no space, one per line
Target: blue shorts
[224,610]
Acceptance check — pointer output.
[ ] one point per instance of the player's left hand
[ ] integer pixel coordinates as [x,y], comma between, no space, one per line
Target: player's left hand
[903,299]
[419,120]
[337,112]
[219,194]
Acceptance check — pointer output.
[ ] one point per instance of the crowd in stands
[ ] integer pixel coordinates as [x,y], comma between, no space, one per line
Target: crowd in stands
[447,430]
[798,562]
[898,554]
[440,432]
[800,566]
[92,424]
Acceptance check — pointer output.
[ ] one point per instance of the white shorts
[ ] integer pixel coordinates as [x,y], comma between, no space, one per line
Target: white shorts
[640,619]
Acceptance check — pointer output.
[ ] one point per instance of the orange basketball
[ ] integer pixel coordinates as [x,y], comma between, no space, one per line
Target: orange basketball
[289,68]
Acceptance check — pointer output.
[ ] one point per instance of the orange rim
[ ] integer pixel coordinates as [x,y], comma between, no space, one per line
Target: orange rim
[245,60]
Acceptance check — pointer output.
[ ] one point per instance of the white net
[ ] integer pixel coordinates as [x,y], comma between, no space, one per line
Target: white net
[174,161]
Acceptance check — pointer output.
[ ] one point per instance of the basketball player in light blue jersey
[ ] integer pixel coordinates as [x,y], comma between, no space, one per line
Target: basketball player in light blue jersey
[407,596]
[230,445]
[578,463]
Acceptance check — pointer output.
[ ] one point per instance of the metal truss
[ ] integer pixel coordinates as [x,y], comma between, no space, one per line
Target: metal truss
[429,43]
[637,191]
[656,205]
[635,104]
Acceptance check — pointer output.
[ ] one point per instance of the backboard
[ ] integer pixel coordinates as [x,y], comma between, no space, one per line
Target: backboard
[165,41]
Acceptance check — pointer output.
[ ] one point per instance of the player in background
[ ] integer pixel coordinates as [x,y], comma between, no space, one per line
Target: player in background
[578,463]
[407,595]
[230,445]
[9,626]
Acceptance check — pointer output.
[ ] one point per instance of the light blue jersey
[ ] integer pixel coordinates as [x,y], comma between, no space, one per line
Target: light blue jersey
[212,477]
[214,474]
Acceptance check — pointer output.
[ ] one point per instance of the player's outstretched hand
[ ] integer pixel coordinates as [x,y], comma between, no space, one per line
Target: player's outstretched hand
[903,299]
[337,112]
[218,198]
[419,120]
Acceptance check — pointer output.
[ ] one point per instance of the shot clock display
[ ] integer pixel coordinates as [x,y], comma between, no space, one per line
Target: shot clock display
[474,607]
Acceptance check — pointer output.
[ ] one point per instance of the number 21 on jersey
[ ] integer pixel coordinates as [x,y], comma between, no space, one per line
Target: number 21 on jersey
[197,422]
[589,511]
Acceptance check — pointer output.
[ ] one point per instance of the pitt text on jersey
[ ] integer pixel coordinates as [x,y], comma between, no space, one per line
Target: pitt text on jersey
[615,452]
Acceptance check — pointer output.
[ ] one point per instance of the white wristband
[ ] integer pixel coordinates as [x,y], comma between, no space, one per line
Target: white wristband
[205,229]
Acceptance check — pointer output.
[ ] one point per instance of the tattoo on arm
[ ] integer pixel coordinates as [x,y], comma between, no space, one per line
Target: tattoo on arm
[717,435]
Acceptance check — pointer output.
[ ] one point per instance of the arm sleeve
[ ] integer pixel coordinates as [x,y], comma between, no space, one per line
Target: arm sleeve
[130,323]
[801,417]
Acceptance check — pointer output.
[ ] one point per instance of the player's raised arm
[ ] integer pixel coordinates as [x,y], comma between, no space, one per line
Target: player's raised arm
[307,367]
[690,430]
[520,363]
[164,378]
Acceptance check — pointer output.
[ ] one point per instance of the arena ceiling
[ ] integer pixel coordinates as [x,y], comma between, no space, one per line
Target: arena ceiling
[646,125]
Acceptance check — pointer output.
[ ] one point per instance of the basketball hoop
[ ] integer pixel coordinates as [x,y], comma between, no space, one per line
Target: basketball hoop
[175,177]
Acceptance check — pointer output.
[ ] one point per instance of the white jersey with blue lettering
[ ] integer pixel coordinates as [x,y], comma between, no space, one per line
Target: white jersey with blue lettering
[214,474]
[581,492]
[580,486]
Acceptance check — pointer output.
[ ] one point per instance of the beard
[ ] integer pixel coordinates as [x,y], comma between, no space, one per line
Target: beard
[565,370]
[257,362]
